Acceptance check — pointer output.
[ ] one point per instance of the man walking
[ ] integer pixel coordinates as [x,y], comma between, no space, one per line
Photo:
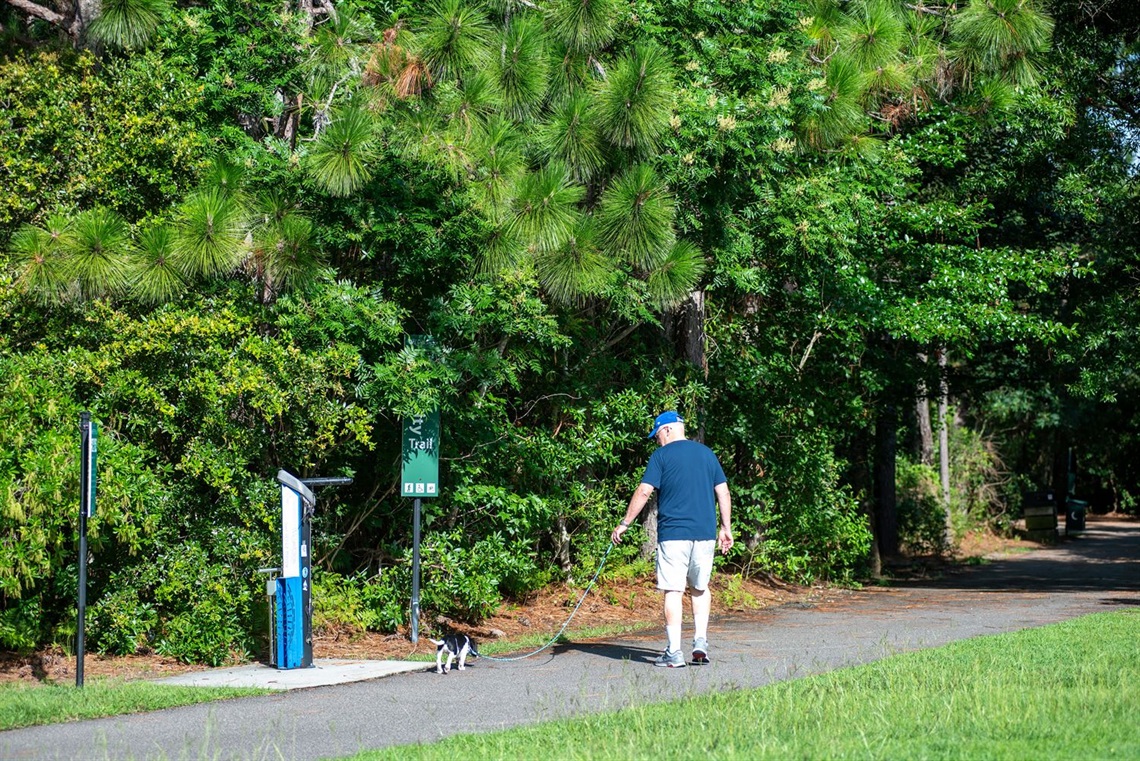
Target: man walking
[689,480]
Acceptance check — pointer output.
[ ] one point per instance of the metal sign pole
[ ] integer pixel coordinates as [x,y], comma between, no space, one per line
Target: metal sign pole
[416,572]
[88,437]
[84,465]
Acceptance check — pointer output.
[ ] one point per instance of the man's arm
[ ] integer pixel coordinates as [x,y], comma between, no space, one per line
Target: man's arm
[637,502]
[724,502]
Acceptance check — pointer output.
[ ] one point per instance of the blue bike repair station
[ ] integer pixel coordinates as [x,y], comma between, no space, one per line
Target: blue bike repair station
[290,591]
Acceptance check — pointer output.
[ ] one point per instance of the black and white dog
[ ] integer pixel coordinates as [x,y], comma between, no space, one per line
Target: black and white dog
[456,646]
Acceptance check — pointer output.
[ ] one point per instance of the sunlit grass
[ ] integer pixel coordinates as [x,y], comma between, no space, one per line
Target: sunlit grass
[25,705]
[1071,690]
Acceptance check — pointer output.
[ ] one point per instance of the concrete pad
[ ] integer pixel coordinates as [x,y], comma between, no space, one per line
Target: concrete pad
[325,671]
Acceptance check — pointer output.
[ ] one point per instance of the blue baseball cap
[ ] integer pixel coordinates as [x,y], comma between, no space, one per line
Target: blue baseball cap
[665,418]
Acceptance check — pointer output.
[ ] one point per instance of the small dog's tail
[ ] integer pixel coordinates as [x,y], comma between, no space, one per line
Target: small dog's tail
[436,642]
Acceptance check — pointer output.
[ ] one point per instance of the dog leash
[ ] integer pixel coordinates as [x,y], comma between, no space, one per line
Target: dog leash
[559,634]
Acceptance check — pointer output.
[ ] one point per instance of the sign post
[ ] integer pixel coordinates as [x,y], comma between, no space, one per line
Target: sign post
[419,479]
[88,449]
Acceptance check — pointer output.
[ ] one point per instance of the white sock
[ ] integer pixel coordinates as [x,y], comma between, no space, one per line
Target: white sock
[674,635]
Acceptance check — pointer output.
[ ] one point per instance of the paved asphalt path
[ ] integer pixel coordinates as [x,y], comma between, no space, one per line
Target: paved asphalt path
[1099,571]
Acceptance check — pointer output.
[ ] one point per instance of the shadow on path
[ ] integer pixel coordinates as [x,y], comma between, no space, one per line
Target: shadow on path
[1105,558]
[616,652]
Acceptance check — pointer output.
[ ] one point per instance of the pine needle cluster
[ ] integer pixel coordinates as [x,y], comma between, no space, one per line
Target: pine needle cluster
[552,127]
[883,60]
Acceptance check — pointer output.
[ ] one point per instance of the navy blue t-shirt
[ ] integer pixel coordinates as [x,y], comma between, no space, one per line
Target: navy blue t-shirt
[684,473]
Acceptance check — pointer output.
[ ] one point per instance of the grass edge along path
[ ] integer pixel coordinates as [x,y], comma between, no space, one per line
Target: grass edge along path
[24,705]
[1067,690]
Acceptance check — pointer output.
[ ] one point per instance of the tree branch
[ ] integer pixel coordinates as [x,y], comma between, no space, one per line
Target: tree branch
[39,11]
[807,352]
[1111,91]
[327,560]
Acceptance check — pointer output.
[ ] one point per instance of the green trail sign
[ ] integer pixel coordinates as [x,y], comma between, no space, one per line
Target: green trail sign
[420,450]
[89,444]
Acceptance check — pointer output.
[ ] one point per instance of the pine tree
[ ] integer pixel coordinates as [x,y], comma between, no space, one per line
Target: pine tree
[882,59]
[552,132]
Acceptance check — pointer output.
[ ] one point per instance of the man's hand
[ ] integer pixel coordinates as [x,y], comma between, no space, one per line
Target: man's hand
[640,496]
[724,539]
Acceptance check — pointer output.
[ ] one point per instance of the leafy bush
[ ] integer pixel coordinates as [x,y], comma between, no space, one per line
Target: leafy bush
[922,516]
[128,129]
[20,625]
[208,604]
[119,623]
[797,520]
[468,583]
[976,476]
[379,603]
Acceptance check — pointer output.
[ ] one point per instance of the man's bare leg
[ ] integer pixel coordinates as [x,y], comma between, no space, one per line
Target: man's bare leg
[674,602]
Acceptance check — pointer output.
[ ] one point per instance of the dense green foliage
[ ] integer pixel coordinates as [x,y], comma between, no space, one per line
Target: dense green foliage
[218,226]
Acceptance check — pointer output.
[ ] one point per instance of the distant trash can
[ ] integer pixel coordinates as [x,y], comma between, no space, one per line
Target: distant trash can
[1075,512]
[1040,511]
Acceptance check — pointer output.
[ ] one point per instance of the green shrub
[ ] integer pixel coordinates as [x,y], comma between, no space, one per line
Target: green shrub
[389,596]
[128,128]
[342,602]
[119,623]
[468,584]
[922,516]
[207,605]
[209,633]
[798,521]
[976,477]
[20,625]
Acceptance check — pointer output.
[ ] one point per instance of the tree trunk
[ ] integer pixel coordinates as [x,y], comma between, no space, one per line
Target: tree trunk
[1061,472]
[562,545]
[314,8]
[886,500]
[74,22]
[49,15]
[875,561]
[922,414]
[649,546]
[860,474]
[693,333]
[944,445]
[693,319]
[86,11]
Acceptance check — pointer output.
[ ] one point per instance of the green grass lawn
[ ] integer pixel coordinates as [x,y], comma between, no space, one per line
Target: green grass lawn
[1067,691]
[25,705]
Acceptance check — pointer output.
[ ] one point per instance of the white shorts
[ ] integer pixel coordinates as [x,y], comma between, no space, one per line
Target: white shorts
[681,562]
